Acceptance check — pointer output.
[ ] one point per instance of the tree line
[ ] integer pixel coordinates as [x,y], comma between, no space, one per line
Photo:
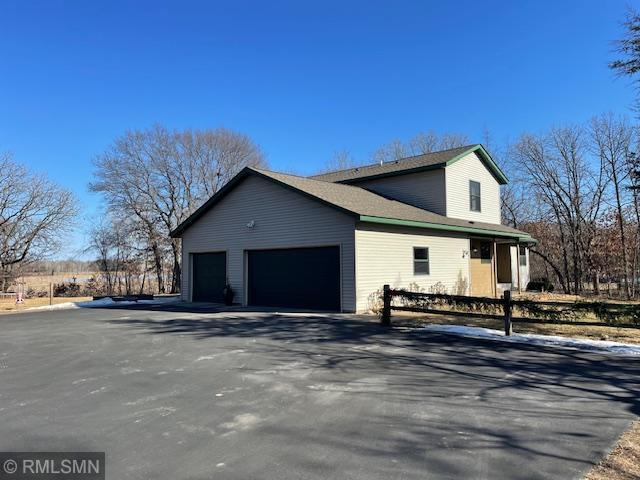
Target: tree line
[151,181]
[573,187]
[36,214]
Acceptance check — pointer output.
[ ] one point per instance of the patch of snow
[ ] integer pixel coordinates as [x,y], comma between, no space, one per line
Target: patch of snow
[57,306]
[159,300]
[599,346]
[105,302]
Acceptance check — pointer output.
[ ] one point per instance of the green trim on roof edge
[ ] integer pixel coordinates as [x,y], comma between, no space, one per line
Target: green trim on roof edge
[450,228]
[491,165]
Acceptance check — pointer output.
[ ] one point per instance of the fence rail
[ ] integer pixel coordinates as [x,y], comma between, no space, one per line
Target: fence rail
[512,311]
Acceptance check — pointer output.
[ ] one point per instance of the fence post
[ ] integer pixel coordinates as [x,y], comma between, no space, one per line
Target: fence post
[386,306]
[508,330]
[50,293]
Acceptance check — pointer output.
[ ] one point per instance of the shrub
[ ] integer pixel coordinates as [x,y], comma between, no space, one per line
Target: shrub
[375,302]
[540,285]
[92,287]
[33,293]
[438,288]
[461,286]
[70,289]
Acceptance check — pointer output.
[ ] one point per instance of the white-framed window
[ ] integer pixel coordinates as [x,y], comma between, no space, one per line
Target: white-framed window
[421,261]
[474,196]
[523,256]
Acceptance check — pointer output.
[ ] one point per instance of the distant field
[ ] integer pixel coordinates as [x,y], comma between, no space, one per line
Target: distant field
[39,281]
[8,305]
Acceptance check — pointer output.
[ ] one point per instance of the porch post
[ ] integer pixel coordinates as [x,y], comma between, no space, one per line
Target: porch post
[518,266]
[495,269]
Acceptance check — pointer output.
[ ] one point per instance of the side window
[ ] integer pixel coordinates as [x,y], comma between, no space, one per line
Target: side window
[523,256]
[420,261]
[474,196]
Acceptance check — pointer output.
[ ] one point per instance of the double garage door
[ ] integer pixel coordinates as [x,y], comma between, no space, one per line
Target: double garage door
[307,278]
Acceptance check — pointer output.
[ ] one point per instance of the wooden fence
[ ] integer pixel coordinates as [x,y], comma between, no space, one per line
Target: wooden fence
[512,311]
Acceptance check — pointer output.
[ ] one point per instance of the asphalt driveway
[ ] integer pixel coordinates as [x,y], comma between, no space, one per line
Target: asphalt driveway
[194,395]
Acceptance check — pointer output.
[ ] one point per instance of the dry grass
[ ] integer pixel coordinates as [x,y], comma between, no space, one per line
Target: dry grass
[8,305]
[565,297]
[41,282]
[614,334]
[623,463]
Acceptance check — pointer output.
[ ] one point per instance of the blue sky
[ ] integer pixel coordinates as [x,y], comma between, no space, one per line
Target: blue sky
[303,79]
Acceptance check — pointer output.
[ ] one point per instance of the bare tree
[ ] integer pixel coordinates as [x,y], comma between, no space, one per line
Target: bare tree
[421,143]
[121,255]
[159,177]
[394,150]
[453,140]
[425,142]
[612,140]
[629,50]
[341,160]
[569,193]
[35,213]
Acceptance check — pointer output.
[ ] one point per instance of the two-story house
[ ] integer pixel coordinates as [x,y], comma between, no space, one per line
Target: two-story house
[330,241]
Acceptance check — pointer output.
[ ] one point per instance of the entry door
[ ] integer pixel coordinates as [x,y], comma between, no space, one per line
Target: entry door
[209,276]
[481,265]
[307,278]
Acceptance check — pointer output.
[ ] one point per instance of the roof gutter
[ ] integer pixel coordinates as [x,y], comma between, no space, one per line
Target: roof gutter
[520,237]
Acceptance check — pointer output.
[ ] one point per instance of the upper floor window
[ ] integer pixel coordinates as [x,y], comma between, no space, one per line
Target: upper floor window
[474,196]
[420,260]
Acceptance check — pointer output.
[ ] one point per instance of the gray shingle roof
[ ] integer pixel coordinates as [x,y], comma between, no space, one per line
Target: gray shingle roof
[365,203]
[433,160]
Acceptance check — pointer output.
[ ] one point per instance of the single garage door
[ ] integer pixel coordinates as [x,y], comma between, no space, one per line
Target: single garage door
[209,276]
[306,278]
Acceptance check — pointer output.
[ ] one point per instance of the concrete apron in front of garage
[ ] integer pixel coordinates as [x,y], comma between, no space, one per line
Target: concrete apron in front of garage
[194,395]
[211,307]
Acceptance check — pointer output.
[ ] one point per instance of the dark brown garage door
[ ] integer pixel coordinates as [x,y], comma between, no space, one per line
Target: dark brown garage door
[209,276]
[307,278]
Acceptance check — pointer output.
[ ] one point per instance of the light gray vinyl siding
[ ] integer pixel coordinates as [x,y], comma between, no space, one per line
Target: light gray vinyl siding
[457,176]
[515,265]
[423,190]
[283,219]
[384,255]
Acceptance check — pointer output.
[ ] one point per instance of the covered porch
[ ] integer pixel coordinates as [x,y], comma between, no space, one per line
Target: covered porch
[498,264]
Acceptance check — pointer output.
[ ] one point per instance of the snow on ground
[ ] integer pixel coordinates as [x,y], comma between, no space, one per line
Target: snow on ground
[104,302]
[598,346]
